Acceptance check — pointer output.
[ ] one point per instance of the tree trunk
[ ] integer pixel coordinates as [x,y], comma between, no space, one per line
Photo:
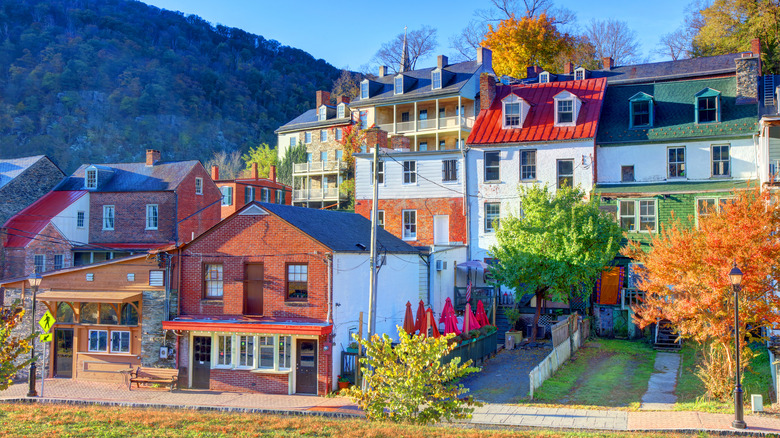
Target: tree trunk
[539,301]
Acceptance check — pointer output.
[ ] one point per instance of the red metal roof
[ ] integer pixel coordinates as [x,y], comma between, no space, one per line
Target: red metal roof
[539,123]
[243,324]
[25,225]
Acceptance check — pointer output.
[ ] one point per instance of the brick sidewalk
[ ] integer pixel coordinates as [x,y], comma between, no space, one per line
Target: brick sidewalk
[71,391]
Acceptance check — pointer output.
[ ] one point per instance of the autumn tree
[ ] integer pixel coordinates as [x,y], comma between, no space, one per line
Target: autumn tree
[517,44]
[284,171]
[347,84]
[352,140]
[264,156]
[613,38]
[421,42]
[12,347]
[229,163]
[685,279]
[556,248]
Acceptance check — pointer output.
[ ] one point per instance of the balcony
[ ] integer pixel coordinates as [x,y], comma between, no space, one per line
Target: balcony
[319,167]
[445,123]
[319,194]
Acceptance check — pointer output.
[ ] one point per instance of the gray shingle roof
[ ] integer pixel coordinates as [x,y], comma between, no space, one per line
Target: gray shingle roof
[339,231]
[11,168]
[133,177]
[682,68]
[310,120]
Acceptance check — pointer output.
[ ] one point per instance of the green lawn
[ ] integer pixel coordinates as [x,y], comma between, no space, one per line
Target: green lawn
[48,420]
[604,373]
[690,390]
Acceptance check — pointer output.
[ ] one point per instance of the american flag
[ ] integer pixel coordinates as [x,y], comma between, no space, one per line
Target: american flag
[468,291]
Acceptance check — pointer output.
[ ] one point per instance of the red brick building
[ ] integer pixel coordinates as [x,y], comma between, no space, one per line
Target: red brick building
[238,192]
[258,296]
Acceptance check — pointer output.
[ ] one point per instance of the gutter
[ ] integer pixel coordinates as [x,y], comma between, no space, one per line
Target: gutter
[329,262]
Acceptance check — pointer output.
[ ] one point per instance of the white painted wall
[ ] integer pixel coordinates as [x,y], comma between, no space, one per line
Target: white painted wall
[429,176]
[65,221]
[284,143]
[398,282]
[443,282]
[506,191]
[651,165]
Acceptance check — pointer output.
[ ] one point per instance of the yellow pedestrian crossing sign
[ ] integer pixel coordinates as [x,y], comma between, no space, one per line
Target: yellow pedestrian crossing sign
[46,321]
[46,337]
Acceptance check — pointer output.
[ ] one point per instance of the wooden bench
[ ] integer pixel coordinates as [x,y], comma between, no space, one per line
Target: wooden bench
[165,376]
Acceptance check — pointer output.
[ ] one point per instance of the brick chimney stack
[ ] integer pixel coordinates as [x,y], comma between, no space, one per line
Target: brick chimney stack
[376,137]
[487,90]
[485,57]
[215,173]
[272,173]
[255,173]
[608,63]
[152,156]
[568,68]
[441,61]
[323,98]
[342,99]
[382,71]
[755,46]
[533,71]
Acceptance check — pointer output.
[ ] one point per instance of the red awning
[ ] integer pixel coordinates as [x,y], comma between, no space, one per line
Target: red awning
[236,326]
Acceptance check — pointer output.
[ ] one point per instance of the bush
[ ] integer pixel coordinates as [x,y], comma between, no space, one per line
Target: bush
[408,382]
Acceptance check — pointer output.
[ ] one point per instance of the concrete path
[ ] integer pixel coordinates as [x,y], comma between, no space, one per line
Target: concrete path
[660,389]
[504,378]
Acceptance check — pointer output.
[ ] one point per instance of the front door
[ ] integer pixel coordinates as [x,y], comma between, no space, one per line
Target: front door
[63,353]
[306,367]
[201,361]
[253,285]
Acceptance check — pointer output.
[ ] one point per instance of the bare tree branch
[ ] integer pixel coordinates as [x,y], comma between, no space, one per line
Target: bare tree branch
[613,38]
[229,163]
[422,42]
[676,45]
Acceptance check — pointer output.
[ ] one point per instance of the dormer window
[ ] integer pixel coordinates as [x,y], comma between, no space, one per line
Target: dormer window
[90,181]
[708,106]
[544,77]
[364,90]
[567,108]
[641,110]
[515,109]
[341,110]
[323,113]
[436,80]
[579,74]
[399,84]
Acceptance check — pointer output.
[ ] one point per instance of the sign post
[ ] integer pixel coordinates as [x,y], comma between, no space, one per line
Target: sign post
[46,322]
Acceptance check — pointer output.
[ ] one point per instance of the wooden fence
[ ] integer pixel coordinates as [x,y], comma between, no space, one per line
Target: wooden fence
[568,336]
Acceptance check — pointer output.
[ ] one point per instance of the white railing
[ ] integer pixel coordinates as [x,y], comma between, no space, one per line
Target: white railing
[326,194]
[319,166]
[631,297]
[774,170]
[428,124]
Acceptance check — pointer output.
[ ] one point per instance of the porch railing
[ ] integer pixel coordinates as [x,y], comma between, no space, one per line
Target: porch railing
[631,297]
[485,294]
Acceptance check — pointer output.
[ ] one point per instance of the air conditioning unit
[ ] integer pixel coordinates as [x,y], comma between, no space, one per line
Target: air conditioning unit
[439,265]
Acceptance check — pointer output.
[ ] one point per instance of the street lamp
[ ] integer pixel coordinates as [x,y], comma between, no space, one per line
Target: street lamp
[736,279]
[35,281]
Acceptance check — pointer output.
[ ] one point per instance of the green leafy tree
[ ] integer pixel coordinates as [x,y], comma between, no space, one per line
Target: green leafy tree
[409,383]
[295,154]
[12,347]
[264,156]
[556,248]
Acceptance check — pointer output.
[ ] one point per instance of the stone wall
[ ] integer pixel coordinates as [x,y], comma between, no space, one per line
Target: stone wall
[747,80]
[153,336]
[10,297]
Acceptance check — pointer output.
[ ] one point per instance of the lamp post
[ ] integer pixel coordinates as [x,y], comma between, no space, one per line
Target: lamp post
[736,279]
[35,281]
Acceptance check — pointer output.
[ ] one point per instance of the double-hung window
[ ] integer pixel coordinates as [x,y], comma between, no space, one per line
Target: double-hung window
[80,219]
[323,135]
[40,262]
[265,194]
[307,138]
[637,215]
[721,160]
[152,216]
[339,134]
[380,218]
[528,165]
[98,341]
[436,80]
[59,261]
[399,85]
[492,214]
[380,175]
[323,113]
[91,179]
[297,282]
[449,170]
[108,217]
[279,196]
[224,351]
[492,166]
[249,194]
[565,113]
[410,172]
[266,356]
[120,341]
[340,111]
[512,112]
[409,224]
[198,186]
[246,351]
[676,162]
[212,283]
[227,195]
[565,173]
[363,119]
[579,74]
[707,106]
[364,90]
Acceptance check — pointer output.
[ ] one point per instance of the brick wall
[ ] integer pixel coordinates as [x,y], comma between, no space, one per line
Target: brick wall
[21,261]
[130,217]
[197,213]
[426,209]
[247,381]
[263,239]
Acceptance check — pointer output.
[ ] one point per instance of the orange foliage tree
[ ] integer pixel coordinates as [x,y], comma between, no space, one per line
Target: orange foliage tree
[685,279]
[517,44]
[352,140]
[12,347]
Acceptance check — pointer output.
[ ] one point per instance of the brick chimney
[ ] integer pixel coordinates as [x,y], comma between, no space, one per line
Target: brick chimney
[568,68]
[485,57]
[382,71]
[487,90]
[215,173]
[376,137]
[533,71]
[441,61]
[755,46]
[323,98]
[342,99]
[152,156]
[607,62]
[400,142]
[254,173]
[272,173]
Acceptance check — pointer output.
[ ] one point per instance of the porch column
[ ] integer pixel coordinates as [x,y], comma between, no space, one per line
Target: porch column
[416,116]
[460,112]
[395,120]
[438,126]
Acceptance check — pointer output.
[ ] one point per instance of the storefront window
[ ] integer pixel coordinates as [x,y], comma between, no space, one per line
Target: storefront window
[246,351]
[89,313]
[225,350]
[129,314]
[120,342]
[108,314]
[284,352]
[266,352]
[98,340]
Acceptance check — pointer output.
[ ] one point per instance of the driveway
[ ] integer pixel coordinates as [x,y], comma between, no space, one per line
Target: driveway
[504,378]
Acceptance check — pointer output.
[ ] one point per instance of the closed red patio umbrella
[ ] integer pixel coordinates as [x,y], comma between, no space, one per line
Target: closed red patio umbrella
[430,323]
[409,319]
[482,318]
[419,323]
[469,320]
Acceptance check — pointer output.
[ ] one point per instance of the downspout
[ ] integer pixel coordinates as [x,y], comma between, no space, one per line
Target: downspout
[178,306]
[466,206]
[330,285]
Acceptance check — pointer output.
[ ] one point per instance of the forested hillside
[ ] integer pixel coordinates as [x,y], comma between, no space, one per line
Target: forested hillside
[102,80]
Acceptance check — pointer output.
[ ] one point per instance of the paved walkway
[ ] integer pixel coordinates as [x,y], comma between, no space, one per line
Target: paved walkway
[660,388]
[69,391]
[504,378]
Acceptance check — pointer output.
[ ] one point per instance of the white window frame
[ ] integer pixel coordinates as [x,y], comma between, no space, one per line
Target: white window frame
[449,168]
[637,214]
[670,163]
[323,135]
[292,142]
[436,79]
[558,174]
[91,178]
[260,347]
[280,346]
[339,134]
[279,196]
[89,341]
[341,111]
[152,216]
[265,194]
[497,166]
[62,261]
[364,94]
[576,103]
[198,186]
[121,333]
[249,194]
[380,177]
[213,293]
[42,264]
[728,161]
[561,111]
[380,218]
[409,221]
[248,353]
[396,89]
[307,137]
[579,74]
[323,113]
[227,195]
[221,344]
[81,219]
[109,214]
[409,172]
[717,201]
[527,168]
[508,120]
[491,217]
[544,77]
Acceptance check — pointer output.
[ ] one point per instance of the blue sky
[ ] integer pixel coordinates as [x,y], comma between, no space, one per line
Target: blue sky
[349,34]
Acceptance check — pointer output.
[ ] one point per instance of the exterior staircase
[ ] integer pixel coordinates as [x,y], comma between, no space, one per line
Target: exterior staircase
[769,90]
[665,338]
[502,324]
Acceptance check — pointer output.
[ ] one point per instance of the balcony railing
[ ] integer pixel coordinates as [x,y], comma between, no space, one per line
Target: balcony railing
[631,297]
[428,124]
[774,170]
[319,167]
[326,194]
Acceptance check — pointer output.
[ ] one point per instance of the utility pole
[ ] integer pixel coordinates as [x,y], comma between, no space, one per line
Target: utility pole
[374,210]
